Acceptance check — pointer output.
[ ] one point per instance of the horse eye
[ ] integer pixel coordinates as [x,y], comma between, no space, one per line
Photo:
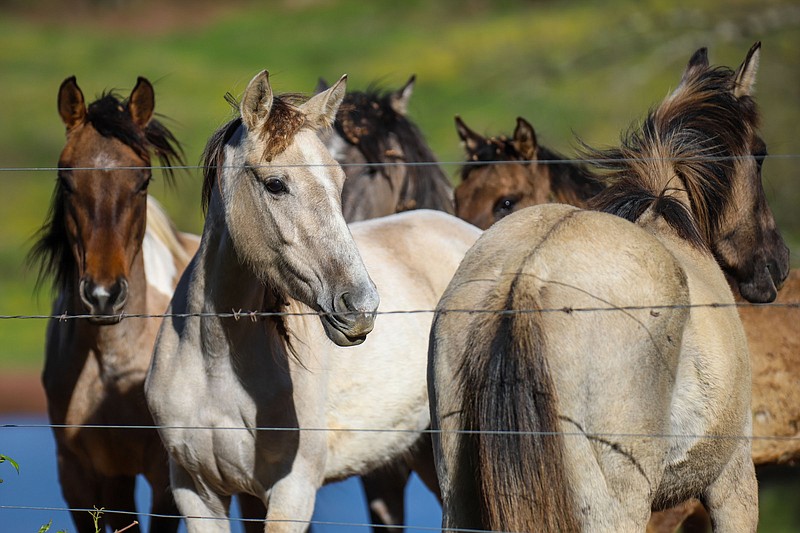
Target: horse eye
[144,185]
[275,185]
[504,206]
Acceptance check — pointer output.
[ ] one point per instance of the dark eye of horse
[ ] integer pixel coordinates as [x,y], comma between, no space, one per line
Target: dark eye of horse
[275,185]
[504,206]
[143,187]
[65,183]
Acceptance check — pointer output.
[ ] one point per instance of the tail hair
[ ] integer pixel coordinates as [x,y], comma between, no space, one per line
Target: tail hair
[505,377]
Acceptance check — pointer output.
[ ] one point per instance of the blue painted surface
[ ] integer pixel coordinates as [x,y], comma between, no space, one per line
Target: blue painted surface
[37,486]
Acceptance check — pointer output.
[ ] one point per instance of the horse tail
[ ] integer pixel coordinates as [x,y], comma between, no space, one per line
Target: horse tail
[522,480]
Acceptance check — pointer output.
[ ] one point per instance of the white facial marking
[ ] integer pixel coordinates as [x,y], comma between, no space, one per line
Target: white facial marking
[103,161]
[100,292]
[159,267]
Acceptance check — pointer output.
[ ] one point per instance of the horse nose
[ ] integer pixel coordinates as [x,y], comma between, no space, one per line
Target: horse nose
[358,310]
[103,299]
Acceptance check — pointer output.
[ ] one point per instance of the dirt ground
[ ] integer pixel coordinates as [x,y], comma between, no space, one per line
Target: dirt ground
[21,393]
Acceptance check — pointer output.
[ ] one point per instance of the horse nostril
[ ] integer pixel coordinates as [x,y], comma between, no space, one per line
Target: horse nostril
[103,299]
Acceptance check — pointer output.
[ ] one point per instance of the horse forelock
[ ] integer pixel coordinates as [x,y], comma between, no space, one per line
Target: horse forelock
[109,116]
[690,144]
[277,133]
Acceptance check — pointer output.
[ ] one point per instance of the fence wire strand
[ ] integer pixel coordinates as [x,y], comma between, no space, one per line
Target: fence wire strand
[587,161]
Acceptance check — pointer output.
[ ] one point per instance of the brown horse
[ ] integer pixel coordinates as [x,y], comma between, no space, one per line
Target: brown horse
[109,249]
[503,175]
[388,165]
[686,198]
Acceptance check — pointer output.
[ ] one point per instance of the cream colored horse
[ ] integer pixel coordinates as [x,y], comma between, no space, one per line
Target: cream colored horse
[623,388]
[275,240]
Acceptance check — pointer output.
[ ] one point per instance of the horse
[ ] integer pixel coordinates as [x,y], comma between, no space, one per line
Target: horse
[388,165]
[770,331]
[110,249]
[270,404]
[373,139]
[503,175]
[589,366]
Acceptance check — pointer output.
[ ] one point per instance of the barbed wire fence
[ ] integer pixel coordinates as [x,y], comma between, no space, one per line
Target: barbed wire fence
[255,315]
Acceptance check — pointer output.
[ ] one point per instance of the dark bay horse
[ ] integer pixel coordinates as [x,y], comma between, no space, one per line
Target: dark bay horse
[109,249]
[319,388]
[643,402]
[502,175]
[388,164]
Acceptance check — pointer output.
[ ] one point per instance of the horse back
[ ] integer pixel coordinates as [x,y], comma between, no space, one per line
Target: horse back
[547,266]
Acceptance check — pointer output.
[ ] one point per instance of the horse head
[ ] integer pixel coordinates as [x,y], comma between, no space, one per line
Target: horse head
[502,175]
[698,158]
[98,217]
[388,165]
[281,195]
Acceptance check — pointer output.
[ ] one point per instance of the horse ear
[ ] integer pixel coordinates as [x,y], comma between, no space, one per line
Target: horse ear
[745,79]
[525,139]
[472,141]
[71,105]
[321,109]
[400,98]
[257,101]
[322,85]
[142,102]
[698,62]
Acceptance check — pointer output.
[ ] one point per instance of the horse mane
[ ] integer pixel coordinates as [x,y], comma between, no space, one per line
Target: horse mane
[110,117]
[364,120]
[566,175]
[689,143]
[285,120]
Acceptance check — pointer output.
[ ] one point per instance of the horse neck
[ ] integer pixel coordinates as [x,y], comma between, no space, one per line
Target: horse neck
[221,283]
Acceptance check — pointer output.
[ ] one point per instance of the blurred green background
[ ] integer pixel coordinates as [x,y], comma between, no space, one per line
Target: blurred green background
[569,67]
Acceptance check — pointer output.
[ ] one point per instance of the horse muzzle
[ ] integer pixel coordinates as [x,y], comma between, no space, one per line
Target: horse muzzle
[352,318]
[105,302]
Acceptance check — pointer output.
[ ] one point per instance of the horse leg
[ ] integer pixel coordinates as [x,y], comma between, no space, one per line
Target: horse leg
[385,491]
[163,504]
[252,509]
[732,499]
[291,500]
[118,495]
[422,462]
[80,489]
[205,511]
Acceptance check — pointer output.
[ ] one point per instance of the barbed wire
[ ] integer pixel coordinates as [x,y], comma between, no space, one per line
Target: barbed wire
[429,431]
[589,161]
[254,315]
[234,519]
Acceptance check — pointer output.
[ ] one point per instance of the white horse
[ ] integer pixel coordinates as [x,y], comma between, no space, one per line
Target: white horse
[275,240]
